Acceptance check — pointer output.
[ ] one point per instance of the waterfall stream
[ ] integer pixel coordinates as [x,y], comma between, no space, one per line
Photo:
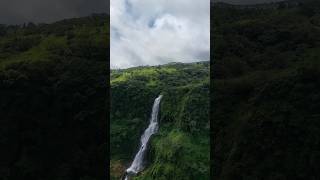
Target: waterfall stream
[137,164]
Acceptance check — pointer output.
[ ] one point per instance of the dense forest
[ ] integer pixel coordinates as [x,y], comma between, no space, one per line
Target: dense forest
[265,91]
[181,148]
[53,90]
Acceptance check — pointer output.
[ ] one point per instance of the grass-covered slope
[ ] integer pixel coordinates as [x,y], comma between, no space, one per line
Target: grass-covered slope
[180,150]
[53,81]
[265,92]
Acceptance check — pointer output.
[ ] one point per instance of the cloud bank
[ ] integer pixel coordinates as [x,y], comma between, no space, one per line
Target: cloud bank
[152,32]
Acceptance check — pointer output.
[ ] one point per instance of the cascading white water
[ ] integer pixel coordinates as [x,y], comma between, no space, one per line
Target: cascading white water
[137,164]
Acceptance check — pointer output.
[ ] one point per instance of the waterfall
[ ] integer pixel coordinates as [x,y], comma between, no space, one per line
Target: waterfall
[137,164]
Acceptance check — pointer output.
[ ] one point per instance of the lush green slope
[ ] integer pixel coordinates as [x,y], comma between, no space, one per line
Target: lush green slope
[265,92]
[52,99]
[180,150]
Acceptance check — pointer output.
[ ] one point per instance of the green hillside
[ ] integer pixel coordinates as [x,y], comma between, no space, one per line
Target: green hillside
[265,91]
[180,150]
[53,99]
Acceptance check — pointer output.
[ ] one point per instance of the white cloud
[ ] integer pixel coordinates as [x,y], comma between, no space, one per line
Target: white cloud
[151,32]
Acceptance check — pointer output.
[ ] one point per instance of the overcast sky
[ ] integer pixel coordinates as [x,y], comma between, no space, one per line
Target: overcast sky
[20,11]
[153,32]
